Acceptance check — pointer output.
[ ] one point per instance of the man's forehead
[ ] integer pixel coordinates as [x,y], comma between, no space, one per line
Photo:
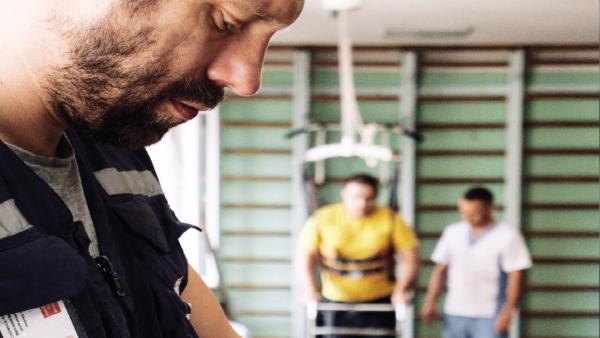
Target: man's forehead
[357,187]
[472,204]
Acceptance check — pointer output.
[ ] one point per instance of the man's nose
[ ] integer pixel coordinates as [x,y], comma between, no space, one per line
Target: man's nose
[239,67]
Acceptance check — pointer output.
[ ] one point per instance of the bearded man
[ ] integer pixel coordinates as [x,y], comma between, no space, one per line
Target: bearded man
[88,244]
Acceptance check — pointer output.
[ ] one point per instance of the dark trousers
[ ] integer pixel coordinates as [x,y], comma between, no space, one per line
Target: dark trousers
[355,319]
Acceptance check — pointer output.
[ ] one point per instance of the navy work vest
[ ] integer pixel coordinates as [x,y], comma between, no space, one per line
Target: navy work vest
[132,289]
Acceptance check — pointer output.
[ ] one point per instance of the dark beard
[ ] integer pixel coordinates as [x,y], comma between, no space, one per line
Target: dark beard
[97,94]
[134,123]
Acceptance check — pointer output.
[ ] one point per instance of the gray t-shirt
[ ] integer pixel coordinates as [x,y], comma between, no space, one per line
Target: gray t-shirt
[62,175]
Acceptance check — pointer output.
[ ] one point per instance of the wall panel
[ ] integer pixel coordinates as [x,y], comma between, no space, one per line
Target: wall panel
[461,111]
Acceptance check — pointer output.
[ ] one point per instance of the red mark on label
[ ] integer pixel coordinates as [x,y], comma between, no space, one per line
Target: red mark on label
[50,310]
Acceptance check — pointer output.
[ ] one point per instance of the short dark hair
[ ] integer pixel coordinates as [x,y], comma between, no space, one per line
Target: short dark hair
[365,179]
[479,194]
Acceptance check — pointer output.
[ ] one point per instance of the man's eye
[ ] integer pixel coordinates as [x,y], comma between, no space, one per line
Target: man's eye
[224,25]
[231,27]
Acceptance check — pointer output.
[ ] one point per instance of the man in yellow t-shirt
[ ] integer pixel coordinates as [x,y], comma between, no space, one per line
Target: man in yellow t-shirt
[354,244]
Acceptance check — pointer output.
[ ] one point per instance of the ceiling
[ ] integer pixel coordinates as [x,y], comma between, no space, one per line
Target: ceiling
[452,22]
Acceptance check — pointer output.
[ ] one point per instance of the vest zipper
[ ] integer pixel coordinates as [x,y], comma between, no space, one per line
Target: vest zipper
[106,268]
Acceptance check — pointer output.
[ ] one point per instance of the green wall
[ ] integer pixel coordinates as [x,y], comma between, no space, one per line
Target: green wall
[464,146]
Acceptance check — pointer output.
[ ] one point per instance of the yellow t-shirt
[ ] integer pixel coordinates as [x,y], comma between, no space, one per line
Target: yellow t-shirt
[355,253]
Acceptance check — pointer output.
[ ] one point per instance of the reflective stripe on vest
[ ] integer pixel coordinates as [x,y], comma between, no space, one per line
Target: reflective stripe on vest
[133,182]
[11,220]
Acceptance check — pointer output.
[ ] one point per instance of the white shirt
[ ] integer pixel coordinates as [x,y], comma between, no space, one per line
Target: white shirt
[477,267]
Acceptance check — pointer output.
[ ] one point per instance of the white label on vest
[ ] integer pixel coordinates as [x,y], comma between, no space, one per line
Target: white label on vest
[178,285]
[49,321]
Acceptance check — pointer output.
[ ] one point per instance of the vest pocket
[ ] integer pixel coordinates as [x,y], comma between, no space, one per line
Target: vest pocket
[152,221]
[154,231]
[37,270]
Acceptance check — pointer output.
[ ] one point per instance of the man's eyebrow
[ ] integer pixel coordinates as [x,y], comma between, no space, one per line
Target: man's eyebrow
[253,11]
[262,14]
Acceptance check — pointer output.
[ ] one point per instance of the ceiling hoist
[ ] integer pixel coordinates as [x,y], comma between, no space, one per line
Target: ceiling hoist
[358,139]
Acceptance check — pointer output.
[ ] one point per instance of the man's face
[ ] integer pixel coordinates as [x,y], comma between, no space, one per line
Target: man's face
[475,212]
[358,199]
[147,66]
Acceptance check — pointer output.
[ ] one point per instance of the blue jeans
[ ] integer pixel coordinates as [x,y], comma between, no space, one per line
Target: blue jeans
[470,327]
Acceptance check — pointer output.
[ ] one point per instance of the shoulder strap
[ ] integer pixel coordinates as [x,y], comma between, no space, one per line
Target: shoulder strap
[39,204]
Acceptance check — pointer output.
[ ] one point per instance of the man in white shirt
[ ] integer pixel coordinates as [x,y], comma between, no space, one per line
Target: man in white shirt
[483,262]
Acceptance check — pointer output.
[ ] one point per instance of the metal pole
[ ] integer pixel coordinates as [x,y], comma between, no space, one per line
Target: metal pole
[408,108]
[301,103]
[213,176]
[514,140]
[320,139]
[351,120]
[209,129]
[191,185]
[514,151]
